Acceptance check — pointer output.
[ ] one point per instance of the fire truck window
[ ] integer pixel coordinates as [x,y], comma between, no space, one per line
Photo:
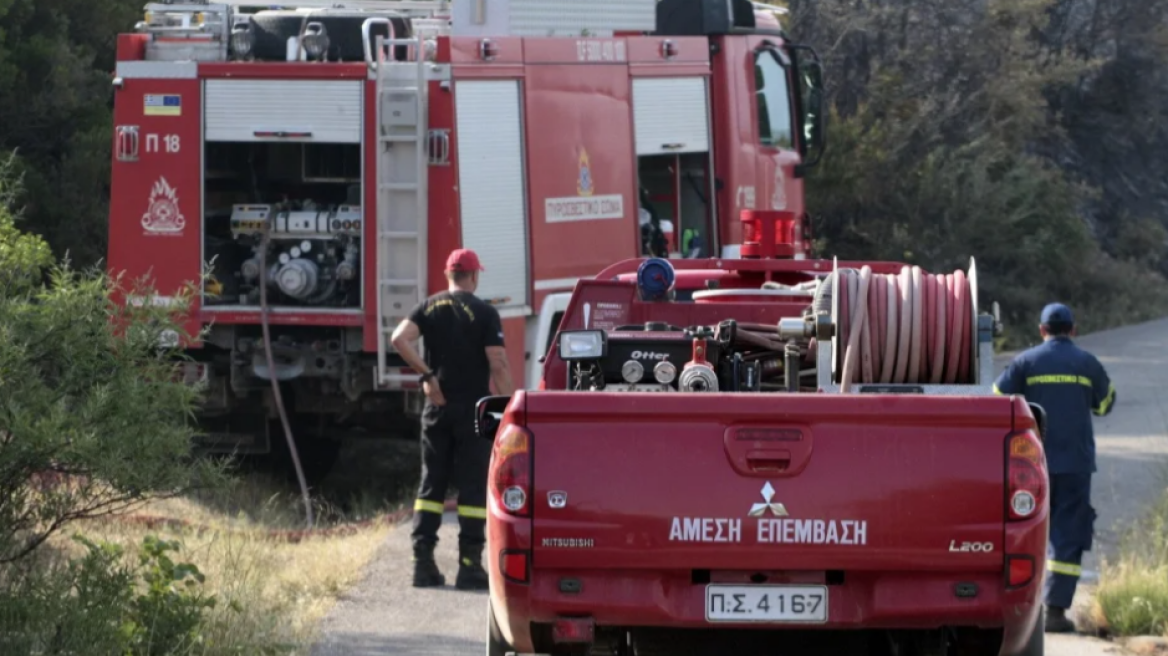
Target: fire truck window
[774,101]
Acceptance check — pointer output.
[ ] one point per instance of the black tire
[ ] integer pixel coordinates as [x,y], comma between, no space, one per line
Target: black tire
[496,644]
[1036,645]
[318,455]
[318,459]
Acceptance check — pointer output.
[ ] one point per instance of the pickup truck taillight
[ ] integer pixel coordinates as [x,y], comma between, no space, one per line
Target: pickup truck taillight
[511,480]
[1025,476]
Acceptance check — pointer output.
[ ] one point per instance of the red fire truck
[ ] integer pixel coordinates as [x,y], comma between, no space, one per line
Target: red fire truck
[314,165]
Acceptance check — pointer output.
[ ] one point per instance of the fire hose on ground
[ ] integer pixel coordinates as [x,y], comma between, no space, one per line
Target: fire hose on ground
[909,328]
[276,383]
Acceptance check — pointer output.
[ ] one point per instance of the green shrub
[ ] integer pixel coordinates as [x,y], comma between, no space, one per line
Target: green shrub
[93,419]
[104,603]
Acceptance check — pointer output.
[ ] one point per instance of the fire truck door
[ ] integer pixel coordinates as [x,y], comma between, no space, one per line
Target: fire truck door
[672,123]
[492,188]
[778,187]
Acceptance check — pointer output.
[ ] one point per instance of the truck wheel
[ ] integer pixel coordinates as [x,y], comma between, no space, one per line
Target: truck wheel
[317,454]
[496,645]
[1036,645]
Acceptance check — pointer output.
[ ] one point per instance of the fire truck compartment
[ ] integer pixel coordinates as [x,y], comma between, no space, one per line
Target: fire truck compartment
[672,130]
[307,197]
[318,111]
[672,115]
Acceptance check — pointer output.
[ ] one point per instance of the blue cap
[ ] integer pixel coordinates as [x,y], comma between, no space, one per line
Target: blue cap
[1057,313]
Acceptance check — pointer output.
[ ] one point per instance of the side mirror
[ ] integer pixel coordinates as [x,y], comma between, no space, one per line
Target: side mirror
[488,415]
[1039,418]
[813,115]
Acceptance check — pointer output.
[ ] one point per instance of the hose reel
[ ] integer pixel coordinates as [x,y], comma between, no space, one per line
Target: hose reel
[908,328]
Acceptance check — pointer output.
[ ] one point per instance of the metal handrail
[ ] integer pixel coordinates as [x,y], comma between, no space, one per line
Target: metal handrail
[370,22]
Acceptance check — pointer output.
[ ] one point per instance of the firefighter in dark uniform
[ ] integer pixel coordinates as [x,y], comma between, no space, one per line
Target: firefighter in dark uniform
[463,338]
[1070,384]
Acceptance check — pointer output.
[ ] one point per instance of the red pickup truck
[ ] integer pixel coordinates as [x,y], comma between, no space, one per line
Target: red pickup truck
[729,456]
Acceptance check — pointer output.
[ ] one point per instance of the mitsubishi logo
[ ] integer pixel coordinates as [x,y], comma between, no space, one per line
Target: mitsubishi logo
[759,509]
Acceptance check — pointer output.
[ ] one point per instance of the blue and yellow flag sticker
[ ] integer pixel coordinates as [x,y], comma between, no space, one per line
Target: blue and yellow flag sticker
[162,105]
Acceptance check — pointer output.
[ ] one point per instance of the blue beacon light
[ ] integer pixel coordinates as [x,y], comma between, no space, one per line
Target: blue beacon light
[655,278]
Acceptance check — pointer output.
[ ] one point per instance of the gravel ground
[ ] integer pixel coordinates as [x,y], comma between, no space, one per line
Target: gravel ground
[387,616]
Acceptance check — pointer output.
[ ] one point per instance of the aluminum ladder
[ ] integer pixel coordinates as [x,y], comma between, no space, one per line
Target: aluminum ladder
[402,208]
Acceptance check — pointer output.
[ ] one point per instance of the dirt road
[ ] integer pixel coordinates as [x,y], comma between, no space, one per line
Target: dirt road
[386,616]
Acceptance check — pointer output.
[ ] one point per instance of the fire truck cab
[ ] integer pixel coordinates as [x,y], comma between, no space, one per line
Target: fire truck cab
[330,154]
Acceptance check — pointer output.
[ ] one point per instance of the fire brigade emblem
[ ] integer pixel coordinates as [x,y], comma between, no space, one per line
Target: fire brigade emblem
[163,215]
[584,183]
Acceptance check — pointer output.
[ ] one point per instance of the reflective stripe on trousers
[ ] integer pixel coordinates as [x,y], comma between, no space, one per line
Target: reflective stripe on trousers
[1072,524]
[452,454]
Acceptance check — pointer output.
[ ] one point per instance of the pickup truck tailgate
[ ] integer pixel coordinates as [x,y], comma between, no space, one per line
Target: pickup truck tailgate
[753,481]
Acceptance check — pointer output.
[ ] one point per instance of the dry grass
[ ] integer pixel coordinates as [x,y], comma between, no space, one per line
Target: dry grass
[1132,598]
[271,591]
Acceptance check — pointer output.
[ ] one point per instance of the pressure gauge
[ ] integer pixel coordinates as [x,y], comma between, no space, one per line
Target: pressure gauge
[665,372]
[633,372]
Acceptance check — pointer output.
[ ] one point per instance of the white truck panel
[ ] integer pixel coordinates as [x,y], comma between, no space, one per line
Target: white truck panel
[552,17]
[491,181]
[671,115]
[331,110]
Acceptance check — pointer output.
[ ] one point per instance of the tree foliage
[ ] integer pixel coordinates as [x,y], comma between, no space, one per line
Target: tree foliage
[957,131]
[56,65]
[93,417]
[1032,134]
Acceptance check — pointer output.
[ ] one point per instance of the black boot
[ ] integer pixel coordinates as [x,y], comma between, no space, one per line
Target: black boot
[426,574]
[471,575]
[1058,622]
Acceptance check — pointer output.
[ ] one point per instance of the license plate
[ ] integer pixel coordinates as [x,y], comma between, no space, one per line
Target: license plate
[766,603]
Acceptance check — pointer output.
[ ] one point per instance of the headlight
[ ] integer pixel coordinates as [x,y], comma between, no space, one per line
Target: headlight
[242,40]
[665,372]
[582,345]
[315,41]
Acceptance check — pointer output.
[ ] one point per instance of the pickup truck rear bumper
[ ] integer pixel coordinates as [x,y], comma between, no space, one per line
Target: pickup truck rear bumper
[864,601]
[670,598]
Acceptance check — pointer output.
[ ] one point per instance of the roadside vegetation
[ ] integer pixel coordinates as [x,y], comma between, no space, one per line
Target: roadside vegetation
[1030,134]
[96,435]
[1132,597]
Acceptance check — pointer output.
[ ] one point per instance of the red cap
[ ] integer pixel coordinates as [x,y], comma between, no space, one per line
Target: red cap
[463,259]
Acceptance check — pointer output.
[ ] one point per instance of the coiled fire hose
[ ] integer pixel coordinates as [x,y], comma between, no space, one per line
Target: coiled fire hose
[912,327]
[276,383]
